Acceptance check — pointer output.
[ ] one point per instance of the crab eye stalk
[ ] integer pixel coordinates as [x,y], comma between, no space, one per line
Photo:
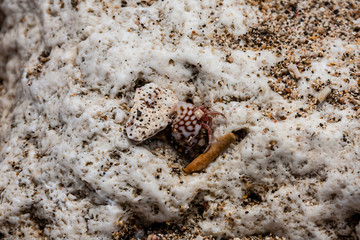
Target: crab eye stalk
[198,114]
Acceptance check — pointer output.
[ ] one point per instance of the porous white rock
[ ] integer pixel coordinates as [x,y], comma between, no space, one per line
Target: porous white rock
[151,112]
[68,75]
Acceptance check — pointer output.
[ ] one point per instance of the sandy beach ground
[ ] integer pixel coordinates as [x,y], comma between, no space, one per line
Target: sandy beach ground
[286,73]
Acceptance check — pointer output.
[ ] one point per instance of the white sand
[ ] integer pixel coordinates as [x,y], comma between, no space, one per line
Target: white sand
[69,171]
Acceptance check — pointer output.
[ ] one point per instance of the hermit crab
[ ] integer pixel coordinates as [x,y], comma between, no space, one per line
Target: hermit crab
[188,122]
[155,108]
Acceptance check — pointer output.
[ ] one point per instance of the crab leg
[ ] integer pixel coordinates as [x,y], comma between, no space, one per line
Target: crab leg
[214,114]
[207,127]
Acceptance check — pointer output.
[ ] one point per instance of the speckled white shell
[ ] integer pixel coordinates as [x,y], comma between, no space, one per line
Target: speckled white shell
[151,112]
[185,127]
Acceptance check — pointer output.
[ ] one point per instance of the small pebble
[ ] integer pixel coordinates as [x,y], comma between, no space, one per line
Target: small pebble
[139,234]
[294,71]
[152,237]
[320,29]
[323,94]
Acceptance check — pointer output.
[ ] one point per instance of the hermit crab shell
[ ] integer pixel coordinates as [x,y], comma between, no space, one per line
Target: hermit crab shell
[186,127]
[151,112]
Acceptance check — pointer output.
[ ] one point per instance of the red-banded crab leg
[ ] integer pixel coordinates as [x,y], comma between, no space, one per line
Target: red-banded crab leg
[208,128]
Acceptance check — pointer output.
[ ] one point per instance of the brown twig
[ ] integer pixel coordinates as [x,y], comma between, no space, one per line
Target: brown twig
[206,158]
